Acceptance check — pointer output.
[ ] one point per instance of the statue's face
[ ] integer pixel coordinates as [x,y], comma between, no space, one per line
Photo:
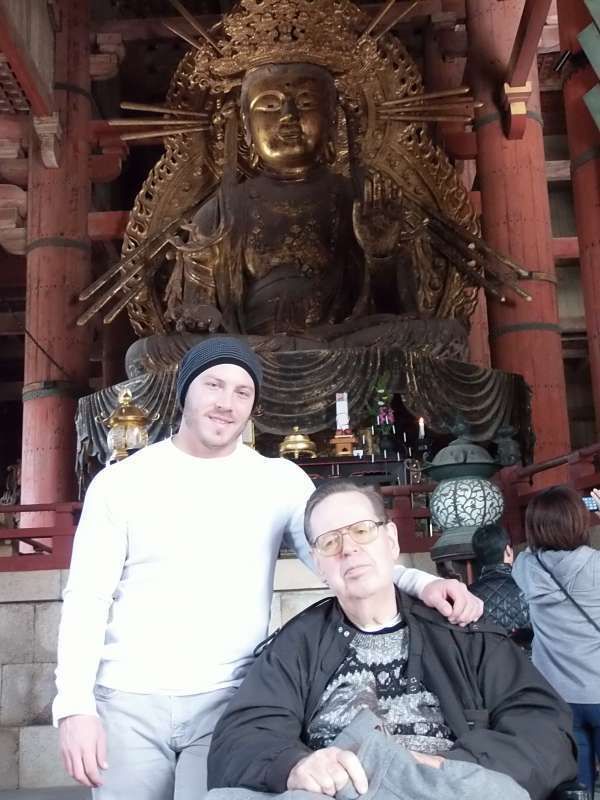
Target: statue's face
[288,112]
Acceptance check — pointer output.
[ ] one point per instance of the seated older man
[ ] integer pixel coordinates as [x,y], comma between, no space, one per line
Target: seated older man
[370,686]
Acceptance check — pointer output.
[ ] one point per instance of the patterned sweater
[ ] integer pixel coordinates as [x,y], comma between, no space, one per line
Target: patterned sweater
[373,676]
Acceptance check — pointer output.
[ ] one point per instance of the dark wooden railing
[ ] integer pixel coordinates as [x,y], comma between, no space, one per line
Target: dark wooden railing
[52,543]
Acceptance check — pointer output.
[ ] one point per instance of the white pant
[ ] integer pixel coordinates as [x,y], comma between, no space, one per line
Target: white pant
[157,744]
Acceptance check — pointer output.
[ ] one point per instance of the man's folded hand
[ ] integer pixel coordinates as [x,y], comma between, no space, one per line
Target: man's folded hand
[327,771]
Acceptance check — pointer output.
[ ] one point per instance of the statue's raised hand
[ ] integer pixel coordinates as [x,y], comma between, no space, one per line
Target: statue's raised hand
[198,317]
[377,217]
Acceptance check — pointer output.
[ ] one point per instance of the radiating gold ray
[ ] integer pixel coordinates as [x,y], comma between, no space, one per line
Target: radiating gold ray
[118,307]
[424,98]
[182,35]
[176,112]
[377,19]
[424,118]
[396,20]
[450,108]
[129,137]
[134,122]
[447,108]
[195,24]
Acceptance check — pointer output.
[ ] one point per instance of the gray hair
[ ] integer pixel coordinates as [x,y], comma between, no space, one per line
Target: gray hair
[343,486]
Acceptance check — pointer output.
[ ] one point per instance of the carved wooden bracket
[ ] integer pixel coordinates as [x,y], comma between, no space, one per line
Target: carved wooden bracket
[11,148]
[13,213]
[106,62]
[515,109]
[49,132]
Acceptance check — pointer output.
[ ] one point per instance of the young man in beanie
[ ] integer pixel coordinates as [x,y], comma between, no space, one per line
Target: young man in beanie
[170,587]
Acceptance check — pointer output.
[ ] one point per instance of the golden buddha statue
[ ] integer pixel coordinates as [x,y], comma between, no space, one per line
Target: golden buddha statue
[301,201]
[302,190]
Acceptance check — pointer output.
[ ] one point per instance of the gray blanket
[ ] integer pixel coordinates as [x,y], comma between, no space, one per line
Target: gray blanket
[395,775]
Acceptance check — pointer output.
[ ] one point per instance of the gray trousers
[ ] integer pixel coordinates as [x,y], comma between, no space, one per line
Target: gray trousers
[157,744]
[395,775]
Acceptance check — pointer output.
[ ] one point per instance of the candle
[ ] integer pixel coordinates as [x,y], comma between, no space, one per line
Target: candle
[385,453]
[421,428]
[404,437]
[397,456]
[372,431]
[394,429]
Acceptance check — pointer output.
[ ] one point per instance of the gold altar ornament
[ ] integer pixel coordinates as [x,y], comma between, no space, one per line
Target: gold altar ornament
[299,190]
[297,445]
[343,443]
[127,427]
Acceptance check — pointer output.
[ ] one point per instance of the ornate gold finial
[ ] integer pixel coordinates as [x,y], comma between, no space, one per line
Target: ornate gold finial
[262,32]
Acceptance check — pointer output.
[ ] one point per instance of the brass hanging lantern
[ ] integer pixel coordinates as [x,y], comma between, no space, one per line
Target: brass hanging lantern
[127,427]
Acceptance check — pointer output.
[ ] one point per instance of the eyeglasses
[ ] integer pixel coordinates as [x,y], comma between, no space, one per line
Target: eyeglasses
[331,543]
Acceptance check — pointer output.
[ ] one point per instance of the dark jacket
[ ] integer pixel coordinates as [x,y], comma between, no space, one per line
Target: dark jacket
[502,712]
[503,601]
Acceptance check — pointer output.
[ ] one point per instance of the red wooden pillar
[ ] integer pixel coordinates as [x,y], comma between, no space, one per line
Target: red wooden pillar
[524,337]
[58,268]
[584,147]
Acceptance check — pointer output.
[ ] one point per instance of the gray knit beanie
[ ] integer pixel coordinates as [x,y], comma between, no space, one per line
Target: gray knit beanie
[217,350]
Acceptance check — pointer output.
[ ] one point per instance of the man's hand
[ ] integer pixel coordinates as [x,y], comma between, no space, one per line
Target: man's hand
[596,495]
[327,771]
[453,600]
[429,761]
[83,748]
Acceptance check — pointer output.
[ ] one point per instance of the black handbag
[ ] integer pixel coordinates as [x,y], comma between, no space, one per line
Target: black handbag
[566,593]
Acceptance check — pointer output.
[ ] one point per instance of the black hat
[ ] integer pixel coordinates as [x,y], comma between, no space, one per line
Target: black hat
[217,350]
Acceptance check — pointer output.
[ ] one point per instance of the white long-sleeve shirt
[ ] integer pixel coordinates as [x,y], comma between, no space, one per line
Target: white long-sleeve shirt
[172,572]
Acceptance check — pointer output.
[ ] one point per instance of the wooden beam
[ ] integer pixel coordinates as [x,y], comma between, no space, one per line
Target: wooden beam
[23,66]
[572,325]
[106,225]
[565,248]
[558,171]
[529,33]
[135,30]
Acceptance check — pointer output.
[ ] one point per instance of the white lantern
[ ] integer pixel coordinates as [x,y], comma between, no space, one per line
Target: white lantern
[463,504]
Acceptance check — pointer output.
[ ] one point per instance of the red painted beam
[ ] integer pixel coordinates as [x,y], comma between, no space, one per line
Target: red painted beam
[529,33]
[26,72]
[565,248]
[106,225]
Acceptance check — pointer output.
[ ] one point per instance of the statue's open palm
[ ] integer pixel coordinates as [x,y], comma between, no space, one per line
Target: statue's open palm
[377,217]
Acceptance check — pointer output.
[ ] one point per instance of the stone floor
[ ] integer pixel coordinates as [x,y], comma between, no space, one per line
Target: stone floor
[46,794]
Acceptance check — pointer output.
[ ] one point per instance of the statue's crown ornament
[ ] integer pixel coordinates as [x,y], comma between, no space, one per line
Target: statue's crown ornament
[259,32]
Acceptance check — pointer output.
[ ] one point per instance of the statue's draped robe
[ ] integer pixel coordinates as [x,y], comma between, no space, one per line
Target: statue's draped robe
[279,256]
